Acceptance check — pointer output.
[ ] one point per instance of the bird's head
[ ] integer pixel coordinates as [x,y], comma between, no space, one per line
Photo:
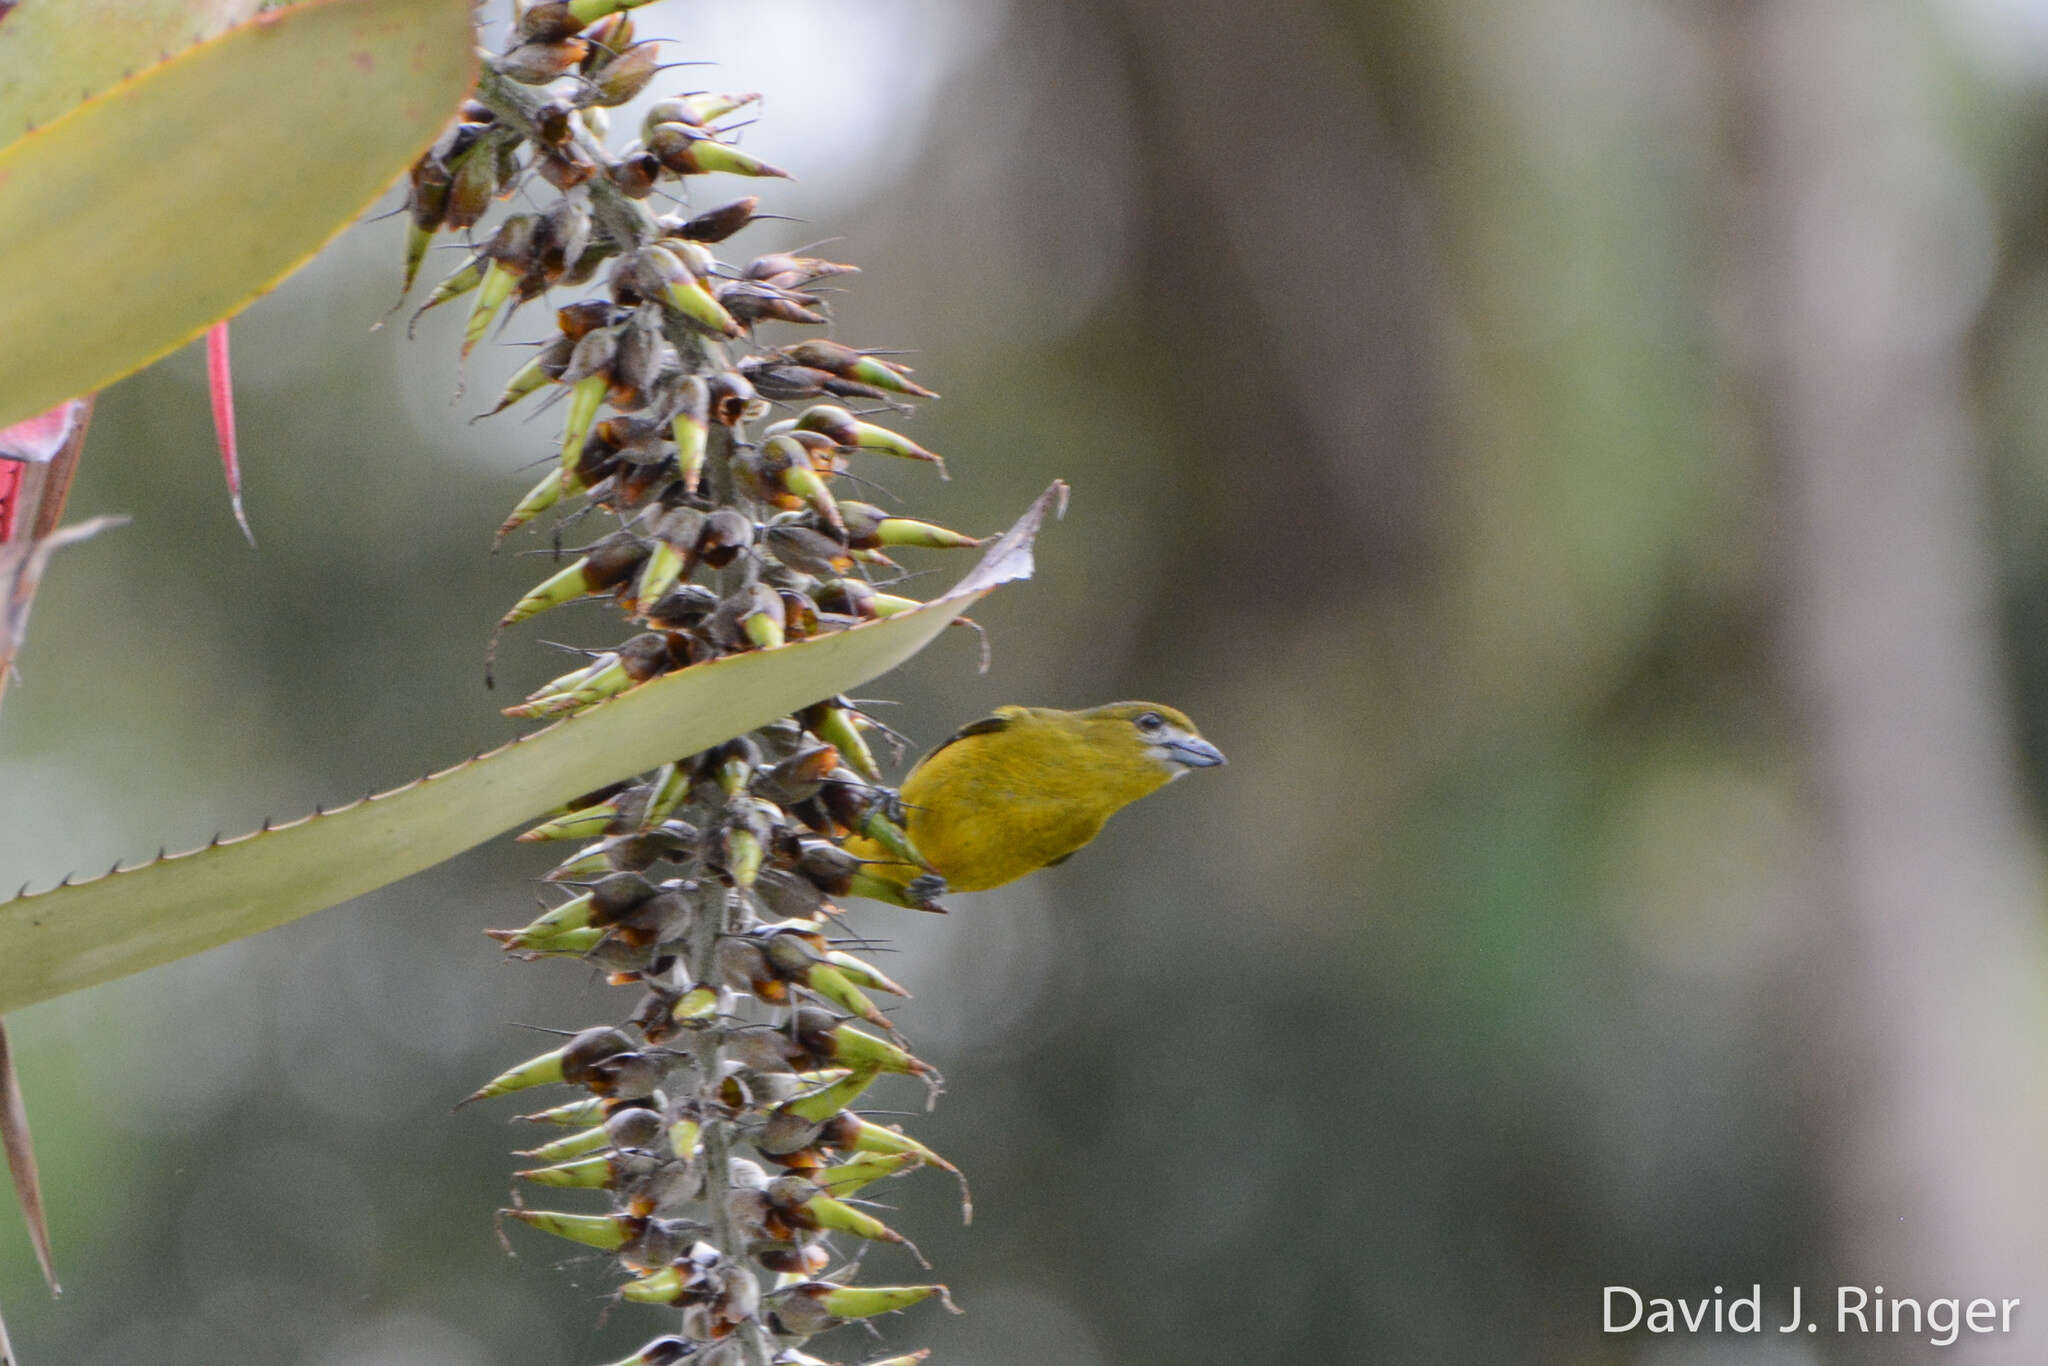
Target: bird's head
[1158,734]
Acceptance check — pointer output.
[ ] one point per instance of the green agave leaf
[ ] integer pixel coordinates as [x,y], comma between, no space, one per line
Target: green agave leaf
[85,933]
[170,200]
[56,54]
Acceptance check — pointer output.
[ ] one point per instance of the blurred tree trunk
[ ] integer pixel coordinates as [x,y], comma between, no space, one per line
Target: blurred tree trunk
[1307,247]
[1862,254]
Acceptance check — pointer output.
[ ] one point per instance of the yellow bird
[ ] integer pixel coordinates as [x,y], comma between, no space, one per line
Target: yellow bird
[1025,788]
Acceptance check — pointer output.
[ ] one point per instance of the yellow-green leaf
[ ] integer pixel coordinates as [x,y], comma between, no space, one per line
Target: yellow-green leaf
[170,200]
[81,934]
[55,54]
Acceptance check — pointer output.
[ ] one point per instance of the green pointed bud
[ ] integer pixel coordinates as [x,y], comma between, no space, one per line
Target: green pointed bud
[675,534]
[831,984]
[839,359]
[863,974]
[687,151]
[821,1105]
[535,374]
[743,855]
[562,944]
[814,1306]
[842,427]
[665,1286]
[909,531]
[538,499]
[836,1216]
[665,566]
[866,1301]
[703,108]
[697,303]
[665,272]
[586,1110]
[492,292]
[609,563]
[849,1178]
[671,786]
[682,1138]
[874,888]
[608,1231]
[699,1003]
[691,429]
[560,687]
[417,240]
[538,1071]
[798,476]
[859,1050]
[584,397]
[881,439]
[582,824]
[585,1173]
[589,862]
[643,657]
[786,270]
[765,630]
[891,836]
[886,375]
[889,604]
[573,914]
[835,726]
[575,1145]
[856,1135]
[468,277]
[574,692]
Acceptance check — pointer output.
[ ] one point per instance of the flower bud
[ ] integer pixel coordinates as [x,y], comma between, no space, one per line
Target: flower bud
[684,150]
[838,359]
[726,533]
[751,302]
[635,174]
[834,724]
[538,61]
[543,369]
[715,225]
[690,428]
[849,1178]
[474,181]
[732,399]
[624,76]
[567,1063]
[844,428]
[608,564]
[578,1144]
[674,535]
[809,1309]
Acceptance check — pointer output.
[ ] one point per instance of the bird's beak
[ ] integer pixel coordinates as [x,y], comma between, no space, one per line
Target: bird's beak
[1194,753]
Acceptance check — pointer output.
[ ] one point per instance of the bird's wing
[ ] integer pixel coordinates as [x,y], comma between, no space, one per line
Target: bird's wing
[987,725]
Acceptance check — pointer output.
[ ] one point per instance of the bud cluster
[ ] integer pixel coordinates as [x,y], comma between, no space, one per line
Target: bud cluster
[718,1118]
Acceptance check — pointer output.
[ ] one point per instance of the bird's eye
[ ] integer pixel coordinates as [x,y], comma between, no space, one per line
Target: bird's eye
[1151,722]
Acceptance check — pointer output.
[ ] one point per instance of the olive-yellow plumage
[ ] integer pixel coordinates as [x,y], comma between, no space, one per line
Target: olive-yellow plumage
[1027,787]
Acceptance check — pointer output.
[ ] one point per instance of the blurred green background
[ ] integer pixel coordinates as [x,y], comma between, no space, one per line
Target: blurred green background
[1581,462]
